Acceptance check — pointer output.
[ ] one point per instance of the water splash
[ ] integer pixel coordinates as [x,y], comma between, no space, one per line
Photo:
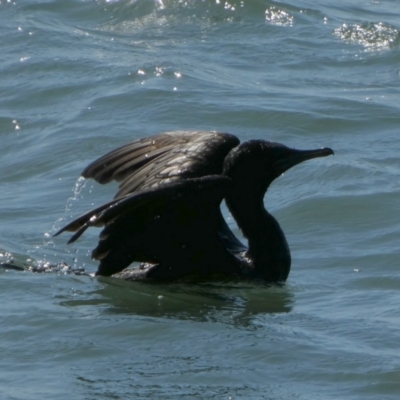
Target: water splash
[60,268]
[37,261]
[7,262]
[76,195]
[372,36]
[77,189]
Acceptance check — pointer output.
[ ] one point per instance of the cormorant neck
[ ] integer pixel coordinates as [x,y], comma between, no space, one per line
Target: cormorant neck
[268,248]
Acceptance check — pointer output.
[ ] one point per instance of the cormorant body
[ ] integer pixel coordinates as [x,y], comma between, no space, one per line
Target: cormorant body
[167,214]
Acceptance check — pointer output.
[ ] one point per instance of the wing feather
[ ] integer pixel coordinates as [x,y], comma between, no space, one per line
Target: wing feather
[163,158]
[176,224]
[167,209]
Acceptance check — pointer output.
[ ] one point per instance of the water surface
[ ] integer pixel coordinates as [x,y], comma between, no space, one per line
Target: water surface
[79,78]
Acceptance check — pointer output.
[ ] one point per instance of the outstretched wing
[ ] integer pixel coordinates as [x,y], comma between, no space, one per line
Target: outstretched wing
[174,226]
[160,159]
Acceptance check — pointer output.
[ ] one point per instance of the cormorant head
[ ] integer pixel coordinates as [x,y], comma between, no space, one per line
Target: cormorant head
[257,163]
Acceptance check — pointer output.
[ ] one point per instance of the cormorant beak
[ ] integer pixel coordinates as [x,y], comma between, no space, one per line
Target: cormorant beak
[295,157]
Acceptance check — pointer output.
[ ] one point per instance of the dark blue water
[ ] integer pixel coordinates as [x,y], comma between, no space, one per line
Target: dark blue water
[78,78]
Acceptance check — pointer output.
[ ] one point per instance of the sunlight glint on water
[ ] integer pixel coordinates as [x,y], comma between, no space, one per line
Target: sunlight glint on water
[81,78]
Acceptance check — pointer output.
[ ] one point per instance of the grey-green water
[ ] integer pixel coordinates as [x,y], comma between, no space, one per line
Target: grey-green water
[78,78]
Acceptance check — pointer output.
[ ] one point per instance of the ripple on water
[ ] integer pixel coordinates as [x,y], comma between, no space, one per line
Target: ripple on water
[370,35]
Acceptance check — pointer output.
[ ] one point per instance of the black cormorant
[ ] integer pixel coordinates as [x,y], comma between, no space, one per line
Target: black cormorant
[167,210]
